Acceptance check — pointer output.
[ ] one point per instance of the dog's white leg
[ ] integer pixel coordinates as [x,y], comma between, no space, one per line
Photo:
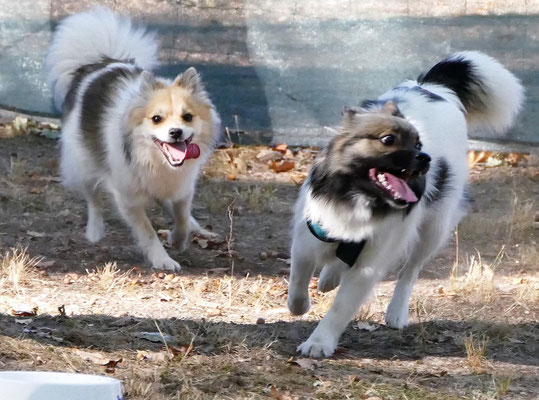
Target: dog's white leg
[330,277]
[153,250]
[356,285]
[181,211]
[432,236]
[95,228]
[302,265]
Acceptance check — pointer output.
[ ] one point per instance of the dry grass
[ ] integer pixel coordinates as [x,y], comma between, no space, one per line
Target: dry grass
[528,291]
[501,385]
[529,255]
[16,268]
[521,220]
[478,279]
[110,277]
[475,351]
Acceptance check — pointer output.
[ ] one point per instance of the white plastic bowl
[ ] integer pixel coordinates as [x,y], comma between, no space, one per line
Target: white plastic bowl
[37,385]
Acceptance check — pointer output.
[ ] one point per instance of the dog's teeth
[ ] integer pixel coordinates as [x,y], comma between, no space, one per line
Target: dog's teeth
[389,186]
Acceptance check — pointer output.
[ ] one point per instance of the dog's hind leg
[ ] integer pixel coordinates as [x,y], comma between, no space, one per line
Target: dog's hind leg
[95,228]
[432,236]
[302,266]
[330,277]
[184,223]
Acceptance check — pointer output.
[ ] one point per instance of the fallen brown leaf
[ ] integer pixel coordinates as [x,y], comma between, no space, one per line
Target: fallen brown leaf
[37,190]
[184,350]
[98,359]
[305,363]
[281,147]
[24,313]
[282,166]
[276,395]
[160,356]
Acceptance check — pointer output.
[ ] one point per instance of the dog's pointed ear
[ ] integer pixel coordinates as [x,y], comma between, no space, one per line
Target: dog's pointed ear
[189,80]
[149,82]
[350,117]
[349,113]
[391,108]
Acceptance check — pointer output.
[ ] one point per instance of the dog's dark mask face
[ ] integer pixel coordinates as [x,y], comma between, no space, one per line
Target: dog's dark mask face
[377,154]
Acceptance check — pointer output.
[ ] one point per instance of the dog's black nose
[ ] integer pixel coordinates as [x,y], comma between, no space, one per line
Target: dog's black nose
[422,162]
[423,158]
[175,133]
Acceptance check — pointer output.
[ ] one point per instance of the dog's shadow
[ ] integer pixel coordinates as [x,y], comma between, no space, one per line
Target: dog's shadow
[515,343]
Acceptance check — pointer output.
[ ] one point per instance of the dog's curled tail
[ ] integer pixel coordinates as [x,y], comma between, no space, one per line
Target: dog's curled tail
[491,95]
[89,38]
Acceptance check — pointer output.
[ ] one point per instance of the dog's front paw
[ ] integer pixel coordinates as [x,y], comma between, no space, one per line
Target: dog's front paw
[396,316]
[179,240]
[159,259]
[167,264]
[317,347]
[298,305]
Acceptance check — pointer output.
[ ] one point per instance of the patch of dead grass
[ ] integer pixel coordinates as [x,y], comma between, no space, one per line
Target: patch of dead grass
[501,385]
[110,277]
[478,280]
[475,351]
[16,268]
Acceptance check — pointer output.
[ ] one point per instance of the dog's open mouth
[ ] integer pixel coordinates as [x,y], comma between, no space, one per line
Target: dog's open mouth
[177,152]
[395,184]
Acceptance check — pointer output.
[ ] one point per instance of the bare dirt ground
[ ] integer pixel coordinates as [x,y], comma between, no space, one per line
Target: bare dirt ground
[220,328]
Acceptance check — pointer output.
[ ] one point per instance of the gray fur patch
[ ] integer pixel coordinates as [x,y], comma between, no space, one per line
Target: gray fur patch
[442,180]
[96,100]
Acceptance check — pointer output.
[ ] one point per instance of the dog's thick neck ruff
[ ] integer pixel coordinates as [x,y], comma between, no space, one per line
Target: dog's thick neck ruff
[347,252]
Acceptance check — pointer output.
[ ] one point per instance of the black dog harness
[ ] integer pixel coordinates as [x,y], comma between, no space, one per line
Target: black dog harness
[347,252]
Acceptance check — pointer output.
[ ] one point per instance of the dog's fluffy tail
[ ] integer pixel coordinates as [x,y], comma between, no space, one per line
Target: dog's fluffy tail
[491,95]
[89,38]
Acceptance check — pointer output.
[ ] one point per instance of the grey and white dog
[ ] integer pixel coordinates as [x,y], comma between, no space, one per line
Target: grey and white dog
[390,187]
[137,135]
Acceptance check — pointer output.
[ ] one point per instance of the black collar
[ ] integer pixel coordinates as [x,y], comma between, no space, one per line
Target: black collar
[347,252]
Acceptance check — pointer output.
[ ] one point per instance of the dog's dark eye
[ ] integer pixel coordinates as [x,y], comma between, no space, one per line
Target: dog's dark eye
[156,119]
[187,117]
[418,146]
[388,140]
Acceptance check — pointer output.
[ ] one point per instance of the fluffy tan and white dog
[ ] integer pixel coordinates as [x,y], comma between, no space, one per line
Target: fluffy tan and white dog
[391,186]
[140,136]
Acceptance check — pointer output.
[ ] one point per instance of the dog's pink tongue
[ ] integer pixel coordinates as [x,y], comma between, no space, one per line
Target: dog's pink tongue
[401,187]
[193,151]
[179,151]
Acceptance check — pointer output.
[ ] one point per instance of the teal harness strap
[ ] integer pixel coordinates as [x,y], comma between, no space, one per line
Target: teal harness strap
[319,233]
[347,252]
